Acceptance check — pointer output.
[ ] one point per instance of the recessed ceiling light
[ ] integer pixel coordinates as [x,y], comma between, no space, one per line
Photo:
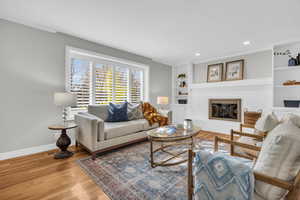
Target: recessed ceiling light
[197,54]
[246,42]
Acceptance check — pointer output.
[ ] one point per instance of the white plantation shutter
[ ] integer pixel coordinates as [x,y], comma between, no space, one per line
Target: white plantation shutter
[121,84]
[100,81]
[103,84]
[80,81]
[136,85]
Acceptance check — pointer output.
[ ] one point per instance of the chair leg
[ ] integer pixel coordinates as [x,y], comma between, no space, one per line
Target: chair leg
[216,144]
[231,145]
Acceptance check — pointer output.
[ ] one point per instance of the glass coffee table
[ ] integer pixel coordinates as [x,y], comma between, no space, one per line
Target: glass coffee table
[174,142]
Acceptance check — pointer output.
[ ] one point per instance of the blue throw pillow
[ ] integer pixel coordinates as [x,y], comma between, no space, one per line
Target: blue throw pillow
[117,113]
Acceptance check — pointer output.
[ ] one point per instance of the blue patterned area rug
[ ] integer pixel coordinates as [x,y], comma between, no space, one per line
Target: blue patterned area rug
[126,174]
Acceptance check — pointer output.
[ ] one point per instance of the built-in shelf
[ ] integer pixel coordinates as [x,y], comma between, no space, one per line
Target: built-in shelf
[287,86]
[287,68]
[246,82]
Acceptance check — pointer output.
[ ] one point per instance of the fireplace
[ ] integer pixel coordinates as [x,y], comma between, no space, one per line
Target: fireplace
[225,109]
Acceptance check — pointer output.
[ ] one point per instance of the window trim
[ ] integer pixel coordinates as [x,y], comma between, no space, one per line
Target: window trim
[72,52]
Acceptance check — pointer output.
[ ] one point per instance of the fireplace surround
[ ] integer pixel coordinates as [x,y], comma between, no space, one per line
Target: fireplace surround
[225,109]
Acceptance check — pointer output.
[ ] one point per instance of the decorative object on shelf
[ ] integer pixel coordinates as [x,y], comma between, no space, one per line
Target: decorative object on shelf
[182,93]
[291,103]
[188,124]
[63,141]
[182,101]
[182,84]
[215,72]
[234,70]
[291,82]
[65,100]
[181,76]
[285,53]
[292,61]
[162,101]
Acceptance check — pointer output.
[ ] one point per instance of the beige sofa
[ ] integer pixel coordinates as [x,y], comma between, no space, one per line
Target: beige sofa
[96,135]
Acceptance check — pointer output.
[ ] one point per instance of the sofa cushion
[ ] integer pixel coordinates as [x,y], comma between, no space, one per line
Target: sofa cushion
[134,111]
[278,158]
[118,129]
[117,112]
[98,110]
[266,123]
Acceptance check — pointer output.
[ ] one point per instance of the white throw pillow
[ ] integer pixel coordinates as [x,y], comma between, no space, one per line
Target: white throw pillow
[278,158]
[266,123]
[293,118]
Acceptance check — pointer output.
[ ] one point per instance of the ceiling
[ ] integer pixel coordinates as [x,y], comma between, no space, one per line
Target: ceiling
[169,31]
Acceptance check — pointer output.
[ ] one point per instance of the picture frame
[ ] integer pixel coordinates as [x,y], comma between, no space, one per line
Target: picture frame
[234,70]
[215,72]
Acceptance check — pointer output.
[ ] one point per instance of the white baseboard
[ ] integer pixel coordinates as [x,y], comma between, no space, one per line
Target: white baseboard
[28,151]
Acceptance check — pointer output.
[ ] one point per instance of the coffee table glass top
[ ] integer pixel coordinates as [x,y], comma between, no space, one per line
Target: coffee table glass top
[173,132]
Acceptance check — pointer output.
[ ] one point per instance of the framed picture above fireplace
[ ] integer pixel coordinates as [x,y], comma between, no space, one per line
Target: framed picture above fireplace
[225,109]
[234,70]
[215,72]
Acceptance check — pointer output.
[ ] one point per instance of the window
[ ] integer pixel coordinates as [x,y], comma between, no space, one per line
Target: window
[99,79]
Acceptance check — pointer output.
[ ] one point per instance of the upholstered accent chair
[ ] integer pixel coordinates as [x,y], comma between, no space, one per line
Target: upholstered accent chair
[276,167]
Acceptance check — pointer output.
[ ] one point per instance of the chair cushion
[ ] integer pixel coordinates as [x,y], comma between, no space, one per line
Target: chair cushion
[118,129]
[278,158]
[266,123]
[257,197]
[117,112]
[134,111]
[293,118]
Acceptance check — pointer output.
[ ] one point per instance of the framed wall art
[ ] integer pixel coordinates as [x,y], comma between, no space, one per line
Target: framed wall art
[234,70]
[215,72]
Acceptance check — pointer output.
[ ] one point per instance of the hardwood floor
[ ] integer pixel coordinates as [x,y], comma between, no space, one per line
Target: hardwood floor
[39,176]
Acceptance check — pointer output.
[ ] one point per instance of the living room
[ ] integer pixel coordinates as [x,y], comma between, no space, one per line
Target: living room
[150,100]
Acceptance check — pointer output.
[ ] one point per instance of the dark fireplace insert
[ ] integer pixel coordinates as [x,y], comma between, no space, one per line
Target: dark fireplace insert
[225,109]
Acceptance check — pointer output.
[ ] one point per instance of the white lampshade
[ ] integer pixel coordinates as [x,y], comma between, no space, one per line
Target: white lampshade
[162,100]
[65,99]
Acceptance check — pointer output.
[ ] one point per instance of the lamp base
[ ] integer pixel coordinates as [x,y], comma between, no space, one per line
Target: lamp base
[63,154]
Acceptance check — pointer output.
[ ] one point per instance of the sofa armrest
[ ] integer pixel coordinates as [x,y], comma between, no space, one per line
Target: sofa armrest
[166,113]
[90,130]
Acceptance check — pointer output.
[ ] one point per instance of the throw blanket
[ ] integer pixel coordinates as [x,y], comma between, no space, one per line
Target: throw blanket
[152,116]
[222,177]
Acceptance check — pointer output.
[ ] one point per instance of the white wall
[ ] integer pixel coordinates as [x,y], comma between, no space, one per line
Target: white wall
[257,65]
[32,68]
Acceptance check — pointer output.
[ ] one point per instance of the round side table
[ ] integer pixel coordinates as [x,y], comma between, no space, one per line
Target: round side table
[63,141]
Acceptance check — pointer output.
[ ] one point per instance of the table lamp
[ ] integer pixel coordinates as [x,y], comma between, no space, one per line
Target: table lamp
[161,100]
[65,99]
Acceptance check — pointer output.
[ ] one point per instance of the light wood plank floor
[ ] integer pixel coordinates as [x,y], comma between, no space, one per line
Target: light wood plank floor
[39,176]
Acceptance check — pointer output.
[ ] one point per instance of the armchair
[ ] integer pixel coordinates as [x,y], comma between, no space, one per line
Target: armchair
[292,188]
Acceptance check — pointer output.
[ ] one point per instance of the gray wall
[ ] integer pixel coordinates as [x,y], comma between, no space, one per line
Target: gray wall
[257,65]
[32,68]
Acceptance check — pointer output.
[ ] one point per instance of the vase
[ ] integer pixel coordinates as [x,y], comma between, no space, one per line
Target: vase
[292,61]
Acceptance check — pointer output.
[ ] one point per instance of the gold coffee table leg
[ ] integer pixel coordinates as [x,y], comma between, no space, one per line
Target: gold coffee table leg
[151,154]
[163,147]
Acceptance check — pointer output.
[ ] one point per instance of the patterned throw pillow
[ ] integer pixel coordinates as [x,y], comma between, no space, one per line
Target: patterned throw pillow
[117,112]
[135,111]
